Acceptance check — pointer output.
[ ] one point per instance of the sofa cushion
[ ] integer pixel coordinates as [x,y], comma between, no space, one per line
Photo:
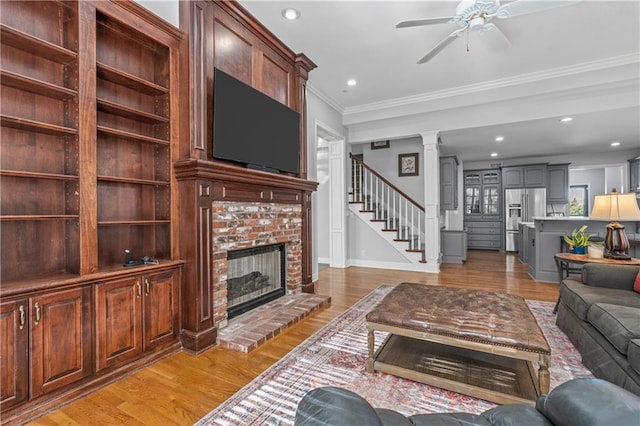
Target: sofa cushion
[618,324]
[449,419]
[579,297]
[636,283]
[633,354]
[516,415]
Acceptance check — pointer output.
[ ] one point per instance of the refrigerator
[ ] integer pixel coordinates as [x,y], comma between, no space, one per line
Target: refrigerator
[521,205]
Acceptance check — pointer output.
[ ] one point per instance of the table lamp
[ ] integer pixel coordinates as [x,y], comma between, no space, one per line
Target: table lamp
[615,207]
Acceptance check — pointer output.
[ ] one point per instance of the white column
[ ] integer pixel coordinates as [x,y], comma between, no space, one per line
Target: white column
[337,204]
[431,174]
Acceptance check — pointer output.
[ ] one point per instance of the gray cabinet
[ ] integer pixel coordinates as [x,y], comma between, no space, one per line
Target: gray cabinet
[448,183]
[484,234]
[523,247]
[482,194]
[454,246]
[558,183]
[529,176]
[634,175]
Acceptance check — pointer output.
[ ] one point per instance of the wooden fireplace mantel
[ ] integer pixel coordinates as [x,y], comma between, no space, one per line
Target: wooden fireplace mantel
[228,178]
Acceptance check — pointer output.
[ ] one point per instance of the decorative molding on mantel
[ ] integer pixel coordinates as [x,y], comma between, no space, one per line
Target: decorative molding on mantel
[533,77]
[219,171]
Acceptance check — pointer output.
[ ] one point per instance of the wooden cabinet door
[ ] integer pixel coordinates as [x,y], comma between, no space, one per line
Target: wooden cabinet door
[558,184]
[535,176]
[60,330]
[14,381]
[161,321]
[118,321]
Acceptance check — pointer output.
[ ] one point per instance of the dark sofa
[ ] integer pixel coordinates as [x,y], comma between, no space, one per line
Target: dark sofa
[601,316]
[579,402]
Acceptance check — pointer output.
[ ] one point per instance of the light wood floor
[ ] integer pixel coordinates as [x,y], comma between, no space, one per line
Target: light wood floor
[183,388]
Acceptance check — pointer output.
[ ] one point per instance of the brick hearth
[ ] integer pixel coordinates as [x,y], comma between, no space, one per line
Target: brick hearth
[252,329]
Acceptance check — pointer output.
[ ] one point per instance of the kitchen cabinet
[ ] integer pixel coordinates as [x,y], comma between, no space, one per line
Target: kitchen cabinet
[485,235]
[454,246]
[56,327]
[529,176]
[523,246]
[558,183]
[483,208]
[483,194]
[634,175]
[448,183]
[134,315]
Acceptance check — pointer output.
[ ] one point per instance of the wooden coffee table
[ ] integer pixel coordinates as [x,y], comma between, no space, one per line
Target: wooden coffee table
[473,342]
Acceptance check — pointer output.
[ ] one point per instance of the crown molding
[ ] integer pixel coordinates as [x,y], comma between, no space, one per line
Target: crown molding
[533,77]
[325,98]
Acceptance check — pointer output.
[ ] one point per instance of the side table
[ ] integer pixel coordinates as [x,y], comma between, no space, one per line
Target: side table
[581,259]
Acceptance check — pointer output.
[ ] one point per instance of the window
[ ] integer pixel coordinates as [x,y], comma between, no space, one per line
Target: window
[578,200]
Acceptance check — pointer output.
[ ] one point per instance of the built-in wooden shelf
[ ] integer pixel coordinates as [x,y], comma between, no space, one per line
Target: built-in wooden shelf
[134,222]
[33,85]
[31,217]
[20,40]
[133,181]
[36,126]
[37,175]
[131,81]
[131,113]
[136,137]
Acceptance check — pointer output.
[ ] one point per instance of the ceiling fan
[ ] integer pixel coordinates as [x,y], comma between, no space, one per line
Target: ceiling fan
[475,15]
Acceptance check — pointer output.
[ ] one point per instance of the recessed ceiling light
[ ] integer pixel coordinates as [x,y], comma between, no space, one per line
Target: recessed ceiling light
[494,154]
[616,143]
[566,119]
[352,82]
[499,138]
[291,14]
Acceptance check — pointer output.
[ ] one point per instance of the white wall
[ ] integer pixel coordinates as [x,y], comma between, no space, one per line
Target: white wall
[320,113]
[166,9]
[385,162]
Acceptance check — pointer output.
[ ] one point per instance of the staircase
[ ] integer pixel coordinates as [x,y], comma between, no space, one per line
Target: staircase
[387,210]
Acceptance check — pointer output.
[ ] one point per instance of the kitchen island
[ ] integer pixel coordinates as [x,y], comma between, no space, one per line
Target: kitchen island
[545,240]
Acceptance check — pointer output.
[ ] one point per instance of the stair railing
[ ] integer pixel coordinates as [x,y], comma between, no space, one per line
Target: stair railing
[388,203]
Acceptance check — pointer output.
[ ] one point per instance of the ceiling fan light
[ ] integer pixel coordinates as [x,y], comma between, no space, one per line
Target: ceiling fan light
[476,23]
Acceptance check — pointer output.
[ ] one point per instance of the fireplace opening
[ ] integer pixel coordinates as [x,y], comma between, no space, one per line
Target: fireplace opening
[255,276]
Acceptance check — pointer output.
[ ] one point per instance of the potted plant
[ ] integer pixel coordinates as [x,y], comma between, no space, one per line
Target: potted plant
[578,240]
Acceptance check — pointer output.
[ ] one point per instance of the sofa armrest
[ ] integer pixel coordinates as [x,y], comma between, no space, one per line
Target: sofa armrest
[610,276]
[590,402]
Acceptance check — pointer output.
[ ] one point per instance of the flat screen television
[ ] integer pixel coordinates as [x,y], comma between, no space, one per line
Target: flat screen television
[253,129]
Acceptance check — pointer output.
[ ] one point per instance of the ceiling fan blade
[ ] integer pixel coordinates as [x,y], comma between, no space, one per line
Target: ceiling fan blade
[443,43]
[523,7]
[494,37]
[425,21]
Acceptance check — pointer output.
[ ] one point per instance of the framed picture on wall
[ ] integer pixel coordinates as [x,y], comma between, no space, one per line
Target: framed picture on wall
[408,164]
[380,144]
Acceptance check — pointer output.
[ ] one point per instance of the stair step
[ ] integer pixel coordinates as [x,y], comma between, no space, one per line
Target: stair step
[422,261]
[414,251]
[378,220]
[367,211]
[389,230]
[400,241]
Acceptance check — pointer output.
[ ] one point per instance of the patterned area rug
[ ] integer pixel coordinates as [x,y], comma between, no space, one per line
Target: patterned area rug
[336,355]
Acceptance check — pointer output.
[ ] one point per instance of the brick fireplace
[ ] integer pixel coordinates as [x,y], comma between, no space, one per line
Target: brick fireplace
[239,225]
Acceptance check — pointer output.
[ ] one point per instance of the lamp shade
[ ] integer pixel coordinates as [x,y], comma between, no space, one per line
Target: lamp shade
[615,207]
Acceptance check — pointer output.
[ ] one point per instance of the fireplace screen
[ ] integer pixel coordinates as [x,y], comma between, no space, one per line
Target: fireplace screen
[254,276]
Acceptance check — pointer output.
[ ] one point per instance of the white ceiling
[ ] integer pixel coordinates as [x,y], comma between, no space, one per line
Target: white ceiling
[358,39]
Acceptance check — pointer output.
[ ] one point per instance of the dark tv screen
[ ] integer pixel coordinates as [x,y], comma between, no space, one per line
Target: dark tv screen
[252,128]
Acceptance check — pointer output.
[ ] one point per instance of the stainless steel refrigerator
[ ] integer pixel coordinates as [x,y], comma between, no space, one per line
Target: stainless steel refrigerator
[521,205]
